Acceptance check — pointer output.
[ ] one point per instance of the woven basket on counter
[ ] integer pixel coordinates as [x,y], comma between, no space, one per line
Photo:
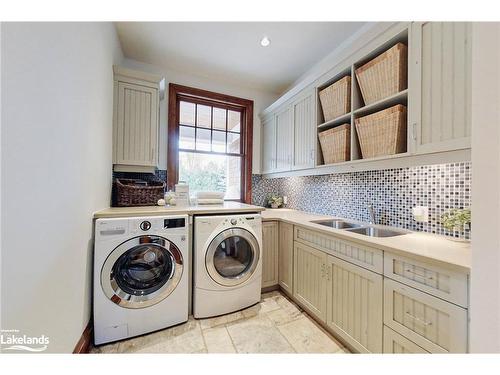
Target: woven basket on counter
[129,193]
[385,75]
[336,144]
[336,99]
[383,132]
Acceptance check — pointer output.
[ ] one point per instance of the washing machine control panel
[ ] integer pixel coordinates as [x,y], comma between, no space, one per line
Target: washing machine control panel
[242,220]
[158,225]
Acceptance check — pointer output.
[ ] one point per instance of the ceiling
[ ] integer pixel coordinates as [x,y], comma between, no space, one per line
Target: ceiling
[231,51]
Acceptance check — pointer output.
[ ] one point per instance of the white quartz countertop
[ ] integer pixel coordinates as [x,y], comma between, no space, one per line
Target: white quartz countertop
[227,207]
[439,249]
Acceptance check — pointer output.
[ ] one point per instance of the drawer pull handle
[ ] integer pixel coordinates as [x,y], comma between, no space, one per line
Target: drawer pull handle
[418,319]
[419,275]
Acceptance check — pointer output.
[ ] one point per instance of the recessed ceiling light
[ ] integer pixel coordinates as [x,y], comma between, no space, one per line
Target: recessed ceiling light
[264,42]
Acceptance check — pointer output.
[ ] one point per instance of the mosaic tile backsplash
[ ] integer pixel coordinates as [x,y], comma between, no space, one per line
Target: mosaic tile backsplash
[393,193]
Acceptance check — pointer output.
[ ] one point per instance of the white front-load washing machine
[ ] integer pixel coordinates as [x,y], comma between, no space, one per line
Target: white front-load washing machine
[227,263]
[140,275]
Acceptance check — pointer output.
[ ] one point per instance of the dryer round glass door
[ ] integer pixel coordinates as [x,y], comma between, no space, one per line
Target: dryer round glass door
[232,257]
[142,271]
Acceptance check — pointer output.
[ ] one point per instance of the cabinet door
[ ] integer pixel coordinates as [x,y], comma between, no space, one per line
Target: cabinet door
[284,140]
[269,253]
[309,279]
[304,127]
[269,145]
[354,305]
[136,125]
[285,263]
[440,75]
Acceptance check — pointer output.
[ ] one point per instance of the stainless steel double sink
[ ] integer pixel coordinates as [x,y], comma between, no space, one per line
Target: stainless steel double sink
[362,228]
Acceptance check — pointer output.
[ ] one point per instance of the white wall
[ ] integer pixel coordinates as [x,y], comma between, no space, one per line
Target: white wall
[57,95]
[485,275]
[261,100]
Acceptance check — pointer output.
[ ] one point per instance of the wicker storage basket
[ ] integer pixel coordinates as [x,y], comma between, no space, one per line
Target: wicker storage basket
[383,132]
[336,144]
[385,75]
[129,193]
[336,99]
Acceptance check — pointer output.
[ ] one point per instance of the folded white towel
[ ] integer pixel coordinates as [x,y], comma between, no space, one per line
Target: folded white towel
[210,201]
[210,194]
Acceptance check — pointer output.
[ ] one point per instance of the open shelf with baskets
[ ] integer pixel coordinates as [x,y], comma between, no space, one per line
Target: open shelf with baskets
[376,115]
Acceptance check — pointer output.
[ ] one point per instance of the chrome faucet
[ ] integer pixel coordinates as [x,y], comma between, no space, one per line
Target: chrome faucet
[371,211]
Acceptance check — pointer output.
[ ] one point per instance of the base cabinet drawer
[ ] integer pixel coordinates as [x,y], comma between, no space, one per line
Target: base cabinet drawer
[438,281]
[433,324]
[353,252]
[354,305]
[394,343]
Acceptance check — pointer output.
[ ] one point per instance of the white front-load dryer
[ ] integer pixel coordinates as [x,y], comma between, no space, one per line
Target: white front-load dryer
[227,263]
[140,275]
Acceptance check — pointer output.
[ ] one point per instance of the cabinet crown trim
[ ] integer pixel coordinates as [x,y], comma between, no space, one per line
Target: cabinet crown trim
[131,73]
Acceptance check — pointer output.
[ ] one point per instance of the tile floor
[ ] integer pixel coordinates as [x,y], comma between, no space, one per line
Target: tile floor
[275,325]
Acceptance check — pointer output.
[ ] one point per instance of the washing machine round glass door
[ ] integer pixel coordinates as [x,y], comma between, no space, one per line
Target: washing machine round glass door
[142,271]
[232,257]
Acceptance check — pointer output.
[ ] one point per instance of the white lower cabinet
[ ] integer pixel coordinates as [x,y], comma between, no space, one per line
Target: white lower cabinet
[309,279]
[285,257]
[354,305]
[269,253]
[431,323]
[368,311]
[394,343]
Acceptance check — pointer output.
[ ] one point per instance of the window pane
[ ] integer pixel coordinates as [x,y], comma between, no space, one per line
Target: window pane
[219,118]
[186,137]
[233,121]
[233,143]
[218,141]
[233,179]
[211,172]
[186,115]
[203,139]
[203,116]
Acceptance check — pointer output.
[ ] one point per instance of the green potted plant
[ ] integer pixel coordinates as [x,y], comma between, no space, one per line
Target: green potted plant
[275,201]
[456,219]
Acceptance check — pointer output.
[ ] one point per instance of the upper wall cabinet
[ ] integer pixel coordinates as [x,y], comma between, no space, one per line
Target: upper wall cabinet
[441,75]
[289,135]
[401,96]
[284,139]
[269,144]
[135,120]
[304,131]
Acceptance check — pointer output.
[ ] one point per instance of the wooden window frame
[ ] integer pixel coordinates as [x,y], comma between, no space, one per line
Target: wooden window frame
[180,92]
